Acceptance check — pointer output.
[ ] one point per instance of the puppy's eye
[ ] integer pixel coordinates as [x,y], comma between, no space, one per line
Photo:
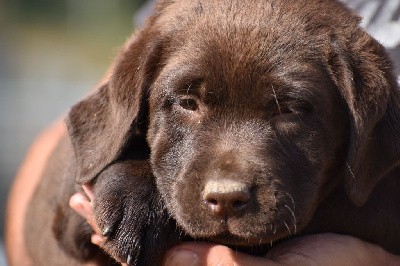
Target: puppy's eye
[291,113]
[188,104]
[281,111]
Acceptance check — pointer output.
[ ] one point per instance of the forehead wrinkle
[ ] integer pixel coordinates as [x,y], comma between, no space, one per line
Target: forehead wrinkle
[220,79]
[307,84]
[177,71]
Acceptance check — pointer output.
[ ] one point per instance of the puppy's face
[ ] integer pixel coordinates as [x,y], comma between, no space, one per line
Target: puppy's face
[246,136]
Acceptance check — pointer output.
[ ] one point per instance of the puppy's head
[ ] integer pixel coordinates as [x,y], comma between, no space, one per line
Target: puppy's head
[253,111]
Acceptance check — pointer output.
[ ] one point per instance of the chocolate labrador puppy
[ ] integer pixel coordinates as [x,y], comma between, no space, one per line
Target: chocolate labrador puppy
[237,122]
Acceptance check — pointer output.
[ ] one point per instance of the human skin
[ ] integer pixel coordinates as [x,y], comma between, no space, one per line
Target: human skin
[25,182]
[23,187]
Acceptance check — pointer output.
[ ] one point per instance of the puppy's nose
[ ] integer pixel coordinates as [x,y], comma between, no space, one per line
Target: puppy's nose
[226,197]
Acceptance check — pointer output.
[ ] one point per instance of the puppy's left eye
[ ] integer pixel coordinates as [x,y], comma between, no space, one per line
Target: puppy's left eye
[281,111]
[188,104]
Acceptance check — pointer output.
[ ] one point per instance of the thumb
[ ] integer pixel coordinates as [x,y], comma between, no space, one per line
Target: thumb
[199,253]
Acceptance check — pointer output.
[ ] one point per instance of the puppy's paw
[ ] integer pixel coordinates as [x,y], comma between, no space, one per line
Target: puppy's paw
[130,214]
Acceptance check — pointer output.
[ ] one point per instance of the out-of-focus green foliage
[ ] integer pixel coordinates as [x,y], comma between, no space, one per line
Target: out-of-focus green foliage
[58,10]
[96,27]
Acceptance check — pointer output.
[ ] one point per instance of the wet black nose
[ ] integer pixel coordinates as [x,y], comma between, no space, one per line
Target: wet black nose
[226,197]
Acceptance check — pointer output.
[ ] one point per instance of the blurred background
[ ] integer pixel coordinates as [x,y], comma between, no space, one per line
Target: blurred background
[51,54]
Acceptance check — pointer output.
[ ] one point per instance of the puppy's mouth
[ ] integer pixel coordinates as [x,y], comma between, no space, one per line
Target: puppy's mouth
[233,240]
[247,240]
[251,246]
[242,239]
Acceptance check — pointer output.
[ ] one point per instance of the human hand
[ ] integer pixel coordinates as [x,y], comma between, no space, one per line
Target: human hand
[83,206]
[320,249]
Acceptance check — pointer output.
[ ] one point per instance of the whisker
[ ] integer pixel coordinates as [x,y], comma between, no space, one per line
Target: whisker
[188,88]
[294,219]
[287,207]
[351,172]
[299,116]
[287,227]
[276,100]
[294,205]
[275,200]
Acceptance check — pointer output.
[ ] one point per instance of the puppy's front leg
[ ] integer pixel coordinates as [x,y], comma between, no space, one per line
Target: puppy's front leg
[130,213]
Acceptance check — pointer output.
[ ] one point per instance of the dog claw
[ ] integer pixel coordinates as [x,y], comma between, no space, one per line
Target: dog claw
[129,260]
[106,231]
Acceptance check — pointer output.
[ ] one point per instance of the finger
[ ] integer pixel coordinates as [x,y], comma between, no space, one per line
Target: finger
[97,239]
[89,191]
[192,253]
[327,249]
[81,205]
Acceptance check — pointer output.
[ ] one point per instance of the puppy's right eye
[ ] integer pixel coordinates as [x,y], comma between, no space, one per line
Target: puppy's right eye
[188,104]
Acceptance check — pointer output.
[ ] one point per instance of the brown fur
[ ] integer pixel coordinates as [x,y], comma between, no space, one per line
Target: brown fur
[290,99]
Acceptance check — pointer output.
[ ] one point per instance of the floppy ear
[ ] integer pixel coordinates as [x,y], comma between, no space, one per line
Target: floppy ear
[363,72]
[102,125]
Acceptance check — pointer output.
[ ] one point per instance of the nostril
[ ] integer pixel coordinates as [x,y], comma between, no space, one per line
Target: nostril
[216,206]
[212,202]
[238,205]
[213,199]
[226,197]
[238,200]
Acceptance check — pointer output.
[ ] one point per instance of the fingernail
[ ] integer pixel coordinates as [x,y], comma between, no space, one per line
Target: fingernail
[97,239]
[182,257]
